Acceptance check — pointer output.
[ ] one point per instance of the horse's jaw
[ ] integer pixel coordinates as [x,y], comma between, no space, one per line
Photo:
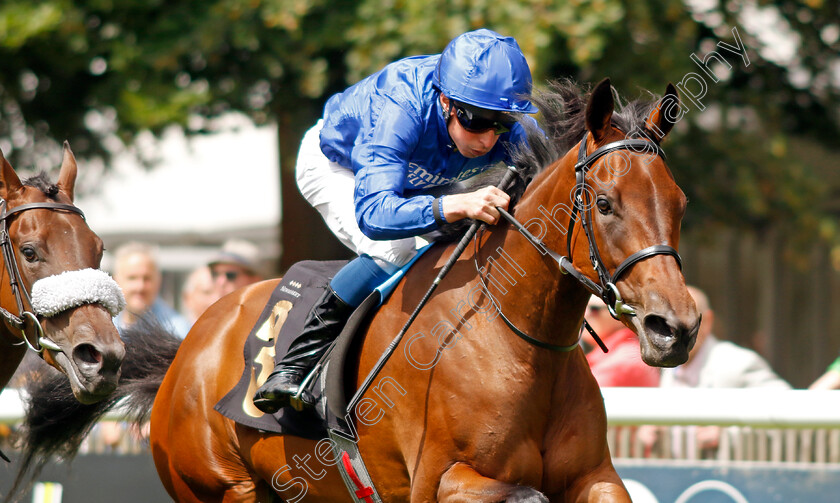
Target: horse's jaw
[82,389]
[93,359]
[663,343]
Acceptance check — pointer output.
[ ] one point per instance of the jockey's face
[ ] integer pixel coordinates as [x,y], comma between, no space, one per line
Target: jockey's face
[469,143]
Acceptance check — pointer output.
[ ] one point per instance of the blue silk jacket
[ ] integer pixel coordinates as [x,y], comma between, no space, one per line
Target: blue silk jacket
[390,130]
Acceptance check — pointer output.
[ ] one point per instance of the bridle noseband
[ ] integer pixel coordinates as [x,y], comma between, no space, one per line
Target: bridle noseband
[606,288]
[26,318]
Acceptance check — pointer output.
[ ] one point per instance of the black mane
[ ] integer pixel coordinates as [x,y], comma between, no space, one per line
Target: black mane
[42,182]
[562,107]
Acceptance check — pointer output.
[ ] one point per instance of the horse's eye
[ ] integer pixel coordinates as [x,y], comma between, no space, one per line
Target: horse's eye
[29,253]
[603,206]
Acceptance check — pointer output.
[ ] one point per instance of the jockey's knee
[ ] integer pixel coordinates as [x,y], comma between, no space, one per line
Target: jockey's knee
[394,258]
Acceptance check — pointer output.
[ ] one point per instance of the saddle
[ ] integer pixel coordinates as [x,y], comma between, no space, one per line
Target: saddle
[279,323]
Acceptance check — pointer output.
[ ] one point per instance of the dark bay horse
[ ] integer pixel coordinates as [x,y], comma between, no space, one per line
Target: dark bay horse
[46,243]
[465,410]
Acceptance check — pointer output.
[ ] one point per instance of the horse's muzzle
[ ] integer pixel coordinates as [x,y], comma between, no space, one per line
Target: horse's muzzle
[91,362]
[665,340]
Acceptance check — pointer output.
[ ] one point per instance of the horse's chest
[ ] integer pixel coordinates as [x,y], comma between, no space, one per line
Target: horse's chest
[576,438]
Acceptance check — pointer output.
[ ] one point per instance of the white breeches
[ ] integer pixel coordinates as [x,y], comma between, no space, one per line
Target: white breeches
[329,188]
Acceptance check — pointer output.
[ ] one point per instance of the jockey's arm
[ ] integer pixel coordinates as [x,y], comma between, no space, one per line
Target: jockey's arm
[381,171]
[381,167]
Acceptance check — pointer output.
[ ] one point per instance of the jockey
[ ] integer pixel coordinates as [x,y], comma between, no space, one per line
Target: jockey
[420,122]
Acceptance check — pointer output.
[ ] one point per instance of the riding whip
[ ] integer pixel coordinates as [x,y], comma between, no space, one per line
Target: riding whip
[465,240]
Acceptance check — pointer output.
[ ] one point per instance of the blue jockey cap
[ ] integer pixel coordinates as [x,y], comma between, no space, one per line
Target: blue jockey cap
[486,70]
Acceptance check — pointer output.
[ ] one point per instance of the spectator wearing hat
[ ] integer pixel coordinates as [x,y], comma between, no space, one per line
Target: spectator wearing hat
[237,264]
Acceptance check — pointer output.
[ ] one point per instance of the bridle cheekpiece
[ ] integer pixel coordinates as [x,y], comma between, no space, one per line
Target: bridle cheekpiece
[26,319]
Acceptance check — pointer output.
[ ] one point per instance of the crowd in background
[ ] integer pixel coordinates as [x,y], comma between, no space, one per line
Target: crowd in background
[137,270]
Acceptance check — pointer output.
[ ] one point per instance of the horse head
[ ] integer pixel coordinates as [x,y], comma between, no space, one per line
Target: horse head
[55,297]
[634,207]
[616,211]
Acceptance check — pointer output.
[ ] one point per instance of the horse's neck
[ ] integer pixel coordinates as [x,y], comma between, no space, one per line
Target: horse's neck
[546,206]
[529,286]
[11,348]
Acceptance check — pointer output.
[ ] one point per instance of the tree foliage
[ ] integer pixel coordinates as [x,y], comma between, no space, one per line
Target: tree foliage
[100,72]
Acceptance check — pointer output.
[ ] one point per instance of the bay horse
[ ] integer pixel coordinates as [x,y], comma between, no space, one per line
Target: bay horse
[48,252]
[466,410]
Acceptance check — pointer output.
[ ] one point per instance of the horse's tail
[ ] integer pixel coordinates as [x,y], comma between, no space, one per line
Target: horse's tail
[55,423]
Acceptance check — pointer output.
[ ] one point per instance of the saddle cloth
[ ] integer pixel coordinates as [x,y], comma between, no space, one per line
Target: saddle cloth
[279,323]
[282,320]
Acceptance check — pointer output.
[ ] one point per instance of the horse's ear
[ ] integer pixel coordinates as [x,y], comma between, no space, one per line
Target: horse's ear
[67,174]
[9,181]
[599,110]
[662,118]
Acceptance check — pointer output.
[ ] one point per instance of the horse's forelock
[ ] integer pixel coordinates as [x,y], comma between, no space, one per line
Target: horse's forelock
[562,108]
[42,182]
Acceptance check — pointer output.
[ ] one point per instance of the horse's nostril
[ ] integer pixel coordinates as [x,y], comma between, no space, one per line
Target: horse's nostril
[86,354]
[656,324]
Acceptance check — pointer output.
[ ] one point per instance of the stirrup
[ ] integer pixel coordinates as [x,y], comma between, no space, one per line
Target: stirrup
[303,399]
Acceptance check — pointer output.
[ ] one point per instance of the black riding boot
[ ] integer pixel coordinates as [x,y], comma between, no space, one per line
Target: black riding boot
[321,327]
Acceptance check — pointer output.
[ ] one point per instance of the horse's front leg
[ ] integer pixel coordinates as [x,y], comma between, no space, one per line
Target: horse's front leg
[601,486]
[461,483]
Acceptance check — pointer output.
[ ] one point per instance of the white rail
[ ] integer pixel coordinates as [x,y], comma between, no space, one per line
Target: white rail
[11,406]
[756,407]
[763,408]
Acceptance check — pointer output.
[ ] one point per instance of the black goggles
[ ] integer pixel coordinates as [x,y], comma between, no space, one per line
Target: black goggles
[474,123]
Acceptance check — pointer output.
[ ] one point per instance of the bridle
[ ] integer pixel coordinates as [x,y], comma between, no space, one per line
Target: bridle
[26,318]
[606,288]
